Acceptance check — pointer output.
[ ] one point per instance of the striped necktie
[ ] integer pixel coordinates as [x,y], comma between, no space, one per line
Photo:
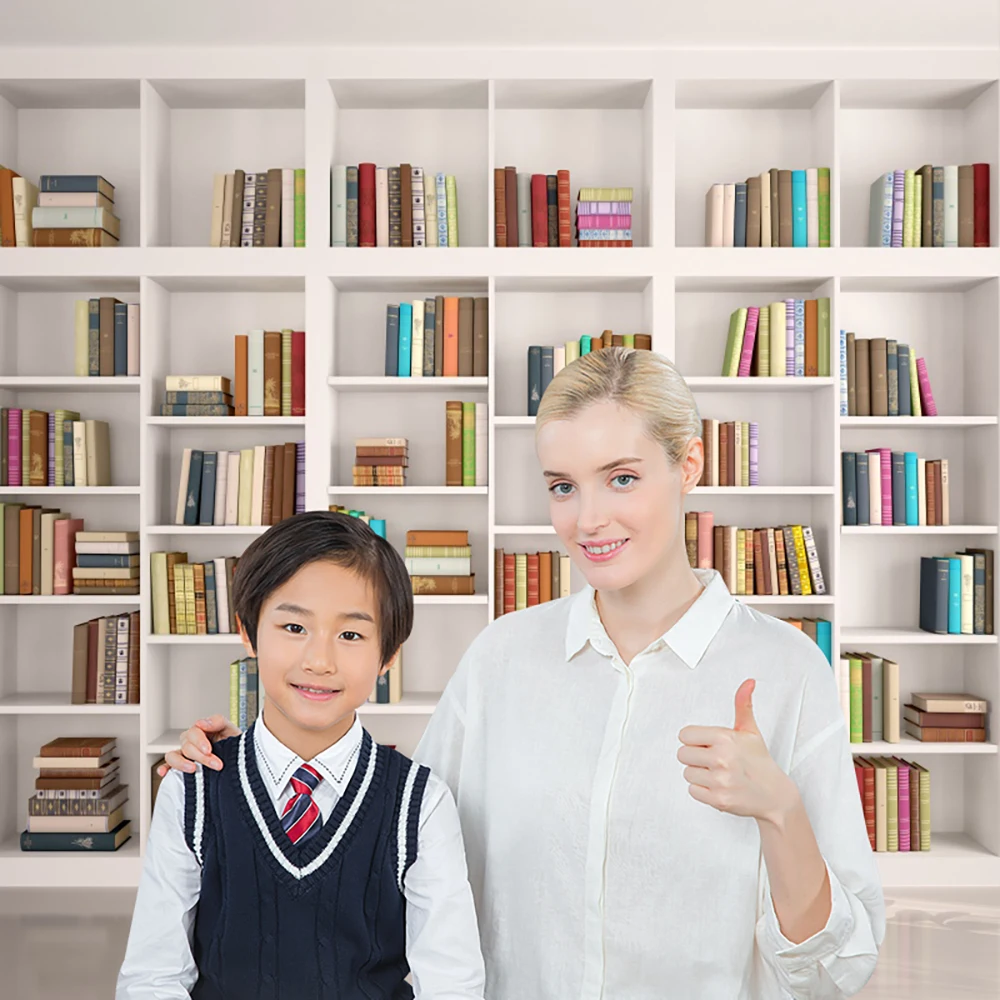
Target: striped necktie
[301,818]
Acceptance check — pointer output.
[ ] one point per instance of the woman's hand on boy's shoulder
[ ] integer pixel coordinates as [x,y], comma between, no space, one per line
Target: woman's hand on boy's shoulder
[196,745]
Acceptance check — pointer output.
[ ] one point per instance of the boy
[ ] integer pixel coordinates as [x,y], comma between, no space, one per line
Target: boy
[315,863]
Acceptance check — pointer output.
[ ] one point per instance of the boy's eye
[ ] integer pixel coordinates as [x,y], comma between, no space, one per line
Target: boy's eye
[624,476]
[351,636]
[561,489]
[294,628]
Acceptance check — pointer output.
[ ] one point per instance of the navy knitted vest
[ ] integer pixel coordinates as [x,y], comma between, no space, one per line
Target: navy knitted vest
[323,919]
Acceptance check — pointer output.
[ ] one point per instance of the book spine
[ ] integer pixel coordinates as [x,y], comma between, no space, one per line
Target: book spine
[338,206]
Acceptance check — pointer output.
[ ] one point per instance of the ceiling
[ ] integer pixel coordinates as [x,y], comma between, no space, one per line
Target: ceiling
[479,23]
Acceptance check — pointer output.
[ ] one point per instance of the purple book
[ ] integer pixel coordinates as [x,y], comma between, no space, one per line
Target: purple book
[52,449]
[14,447]
[903,799]
[300,477]
[789,336]
[898,181]
[885,461]
[754,442]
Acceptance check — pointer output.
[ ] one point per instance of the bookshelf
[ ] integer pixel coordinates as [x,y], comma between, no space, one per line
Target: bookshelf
[159,123]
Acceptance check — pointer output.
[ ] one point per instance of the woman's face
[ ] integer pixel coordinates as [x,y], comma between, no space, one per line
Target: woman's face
[615,499]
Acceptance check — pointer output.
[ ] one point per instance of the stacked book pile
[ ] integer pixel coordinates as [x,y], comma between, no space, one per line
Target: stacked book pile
[265,208]
[198,396]
[956,593]
[440,562]
[79,801]
[106,659]
[946,718]
[604,217]
[106,337]
[73,211]
[105,563]
[380,461]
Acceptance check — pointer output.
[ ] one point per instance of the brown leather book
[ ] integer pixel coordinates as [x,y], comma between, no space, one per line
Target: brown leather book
[608,338]
[877,363]
[73,238]
[775,214]
[939,508]
[691,537]
[728,556]
[107,336]
[555,574]
[812,338]
[172,559]
[779,553]
[78,694]
[480,336]
[941,734]
[132,675]
[719,548]
[862,378]
[406,203]
[8,236]
[510,181]
[932,508]
[765,556]
[239,178]
[643,342]
[533,576]
[438,335]
[38,444]
[93,639]
[453,443]
[24,549]
[288,500]
[240,373]
[785,208]
[758,562]
[966,207]
[267,508]
[277,484]
[544,577]
[498,567]
[200,615]
[382,460]
[379,451]
[433,537]
[753,212]
[707,447]
[272,221]
[499,207]
[272,373]
[466,324]
[927,208]
[455,585]
[723,454]
[617,340]
[946,720]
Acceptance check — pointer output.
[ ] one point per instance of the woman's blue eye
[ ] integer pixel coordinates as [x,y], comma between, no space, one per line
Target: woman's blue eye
[625,475]
[558,491]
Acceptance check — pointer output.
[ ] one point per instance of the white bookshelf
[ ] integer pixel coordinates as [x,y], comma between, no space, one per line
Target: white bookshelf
[160,123]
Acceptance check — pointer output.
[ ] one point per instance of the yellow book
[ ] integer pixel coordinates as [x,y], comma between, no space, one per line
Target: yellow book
[234,690]
[81,330]
[744,452]
[396,678]
[286,373]
[161,597]
[572,351]
[245,504]
[257,490]
[564,572]
[189,601]
[925,808]
[881,803]
[800,558]
[520,581]
[891,805]
[741,561]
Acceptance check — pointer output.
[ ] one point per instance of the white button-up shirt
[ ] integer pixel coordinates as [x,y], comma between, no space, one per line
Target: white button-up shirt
[596,875]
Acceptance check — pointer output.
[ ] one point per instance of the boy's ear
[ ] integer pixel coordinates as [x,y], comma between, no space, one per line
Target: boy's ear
[384,669]
[247,645]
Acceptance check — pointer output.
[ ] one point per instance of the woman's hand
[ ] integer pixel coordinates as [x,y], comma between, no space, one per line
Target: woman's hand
[731,769]
[196,746]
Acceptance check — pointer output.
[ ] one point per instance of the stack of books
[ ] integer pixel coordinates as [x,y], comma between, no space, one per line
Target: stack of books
[103,565]
[896,798]
[254,486]
[440,562]
[869,696]
[524,579]
[790,338]
[265,208]
[106,659]
[442,336]
[731,453]
[73,211]
[402,206]
[388,688]
[883,378]
[956,593]
[946,718]
[245,692]
[39,549]
[887,487]
[465,443]
[779,208]
[53,449]
[380,461]
[820,630]
[377,524]
[79,800]
[604,217]
[270,374]
[106,337]
[755,561]
[931,207]
[192,598]
[213,396]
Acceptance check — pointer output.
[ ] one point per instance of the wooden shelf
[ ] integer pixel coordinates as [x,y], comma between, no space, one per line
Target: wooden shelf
[850,637]
[910,747]
[70,383]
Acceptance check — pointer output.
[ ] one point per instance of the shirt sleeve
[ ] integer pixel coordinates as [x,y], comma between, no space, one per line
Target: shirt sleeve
[159,963]
[442,936]
[443,741]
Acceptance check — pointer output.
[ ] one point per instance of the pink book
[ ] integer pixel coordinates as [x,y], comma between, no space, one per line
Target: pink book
[749,336]
[604,221]
[926,396]
[64,554]
[885,461]
[14,448]
[706,540]
[903,792]
[789,336]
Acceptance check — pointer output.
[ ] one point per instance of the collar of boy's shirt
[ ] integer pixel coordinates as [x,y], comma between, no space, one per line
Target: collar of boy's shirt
[688,638]
[333,763]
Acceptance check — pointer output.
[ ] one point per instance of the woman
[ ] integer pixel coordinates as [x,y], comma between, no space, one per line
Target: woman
[656,792]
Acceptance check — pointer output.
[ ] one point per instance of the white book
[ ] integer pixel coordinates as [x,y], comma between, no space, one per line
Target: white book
[287,207]
[257,498]
[107,536]
[728,214]
[107,548]
[430,208]
[875,487]
[233,488]
[890,701]
[121,661]
[482,432]
[713,215]
[945,511]
[968,569]
[951,206]
[778,334]
[228,221]
[25,200]
[765,209]
[439,566]
[221,594]
[564,575]
[48,550]
[558,359]
[182,486]
[844,689]
[221,479]
[715,453]
[79,453]
[338,206]
[381,206]
[921,491]
[417,340]
[81,332]
[255,374]
[132,365]
[812,207]
[218,201]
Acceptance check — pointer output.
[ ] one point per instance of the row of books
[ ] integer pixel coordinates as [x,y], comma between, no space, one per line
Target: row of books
[377,524]
[546,361]
[931,207]
[423,541]
[53,449]
[404,206]
[820,630]
[246,695]
[261,485]
[265,208]
[106,337]
[755,561]
[789,338]
[524,579]
[879,377]
[192,598]
[107,562]
[731,453]
[778,208]
[442,336]
[106,660]
[886,487]
[452,562]
[466,434]
[380,461]
[896,799]
[531,210]
[956,593]
[79,801]
[63,210]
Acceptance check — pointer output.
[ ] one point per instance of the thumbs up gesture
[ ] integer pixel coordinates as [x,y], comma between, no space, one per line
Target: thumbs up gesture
[731,769]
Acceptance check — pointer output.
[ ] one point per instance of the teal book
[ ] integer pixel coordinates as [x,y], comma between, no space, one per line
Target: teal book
[206,512]
[405,338]
[77,841]
[799,232]
[912,501]
[824,638]
[585,345]
[377,524]
[193,487]
[954,596]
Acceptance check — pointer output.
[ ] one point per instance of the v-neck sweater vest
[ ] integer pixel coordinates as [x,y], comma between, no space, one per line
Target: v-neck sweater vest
[325,918]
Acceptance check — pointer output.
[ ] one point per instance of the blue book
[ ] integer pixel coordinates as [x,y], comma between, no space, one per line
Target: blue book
[880,212]
[740,221]
[892,376]
[193,487]
[377,524]
[799,236]
[848,462]
[405,338]
[824,638]
[208,468]
[534,380]
[954,595]
[937,203]
[912,502]
[76,183]
[392,340]
[382,689]
[121,338]
[864,487]
[94,338]
[547,368]
[903,364]
[898,488]
[68,453]
[106,562]
[800,338]
[211,605]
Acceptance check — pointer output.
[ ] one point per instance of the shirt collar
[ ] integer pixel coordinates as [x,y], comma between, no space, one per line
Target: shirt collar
[689,637]
[280,763]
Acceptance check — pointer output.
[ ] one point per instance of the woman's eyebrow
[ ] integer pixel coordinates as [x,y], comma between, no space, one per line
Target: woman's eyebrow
[628,460]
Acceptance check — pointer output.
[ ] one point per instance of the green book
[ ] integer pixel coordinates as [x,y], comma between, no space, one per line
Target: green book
[286,373]
[452,202]
[734,343]
[925,808]
[763,345]
[857,706]
[823,340]
[628,340]
[77,841]
[918,214]
[300,208]
[891,805]
[909,190]
[468,444]
[584,345]
[823,198]
[915,408]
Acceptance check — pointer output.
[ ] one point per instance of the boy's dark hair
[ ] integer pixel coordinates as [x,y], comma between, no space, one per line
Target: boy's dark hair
[276,556]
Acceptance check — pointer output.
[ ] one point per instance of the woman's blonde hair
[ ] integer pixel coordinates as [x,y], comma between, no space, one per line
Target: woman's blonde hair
[646,383]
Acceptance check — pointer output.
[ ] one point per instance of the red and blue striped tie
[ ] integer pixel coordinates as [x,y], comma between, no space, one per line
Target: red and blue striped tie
[301,818]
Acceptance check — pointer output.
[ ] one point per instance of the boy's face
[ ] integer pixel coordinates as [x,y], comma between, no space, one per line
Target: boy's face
[317,651]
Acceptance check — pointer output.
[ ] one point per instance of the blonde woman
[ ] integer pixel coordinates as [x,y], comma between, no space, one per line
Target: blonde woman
[655,786]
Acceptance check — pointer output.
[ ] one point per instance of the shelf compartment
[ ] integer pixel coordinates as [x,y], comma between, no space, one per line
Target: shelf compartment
[862,636]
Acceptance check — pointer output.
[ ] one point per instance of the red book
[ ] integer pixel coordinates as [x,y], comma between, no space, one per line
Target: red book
[563,206]
[868,797]
[298,373]
[533,575]
[64,554]
[539,211]
[366,204]
[509,591]
[981,204]
[91,660]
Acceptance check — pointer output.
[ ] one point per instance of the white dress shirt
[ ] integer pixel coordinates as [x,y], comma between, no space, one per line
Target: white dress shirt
[596,874]
[442,945]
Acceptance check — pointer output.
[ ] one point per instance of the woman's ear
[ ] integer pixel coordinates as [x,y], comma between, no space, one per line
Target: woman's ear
[693,465]
[247,644]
